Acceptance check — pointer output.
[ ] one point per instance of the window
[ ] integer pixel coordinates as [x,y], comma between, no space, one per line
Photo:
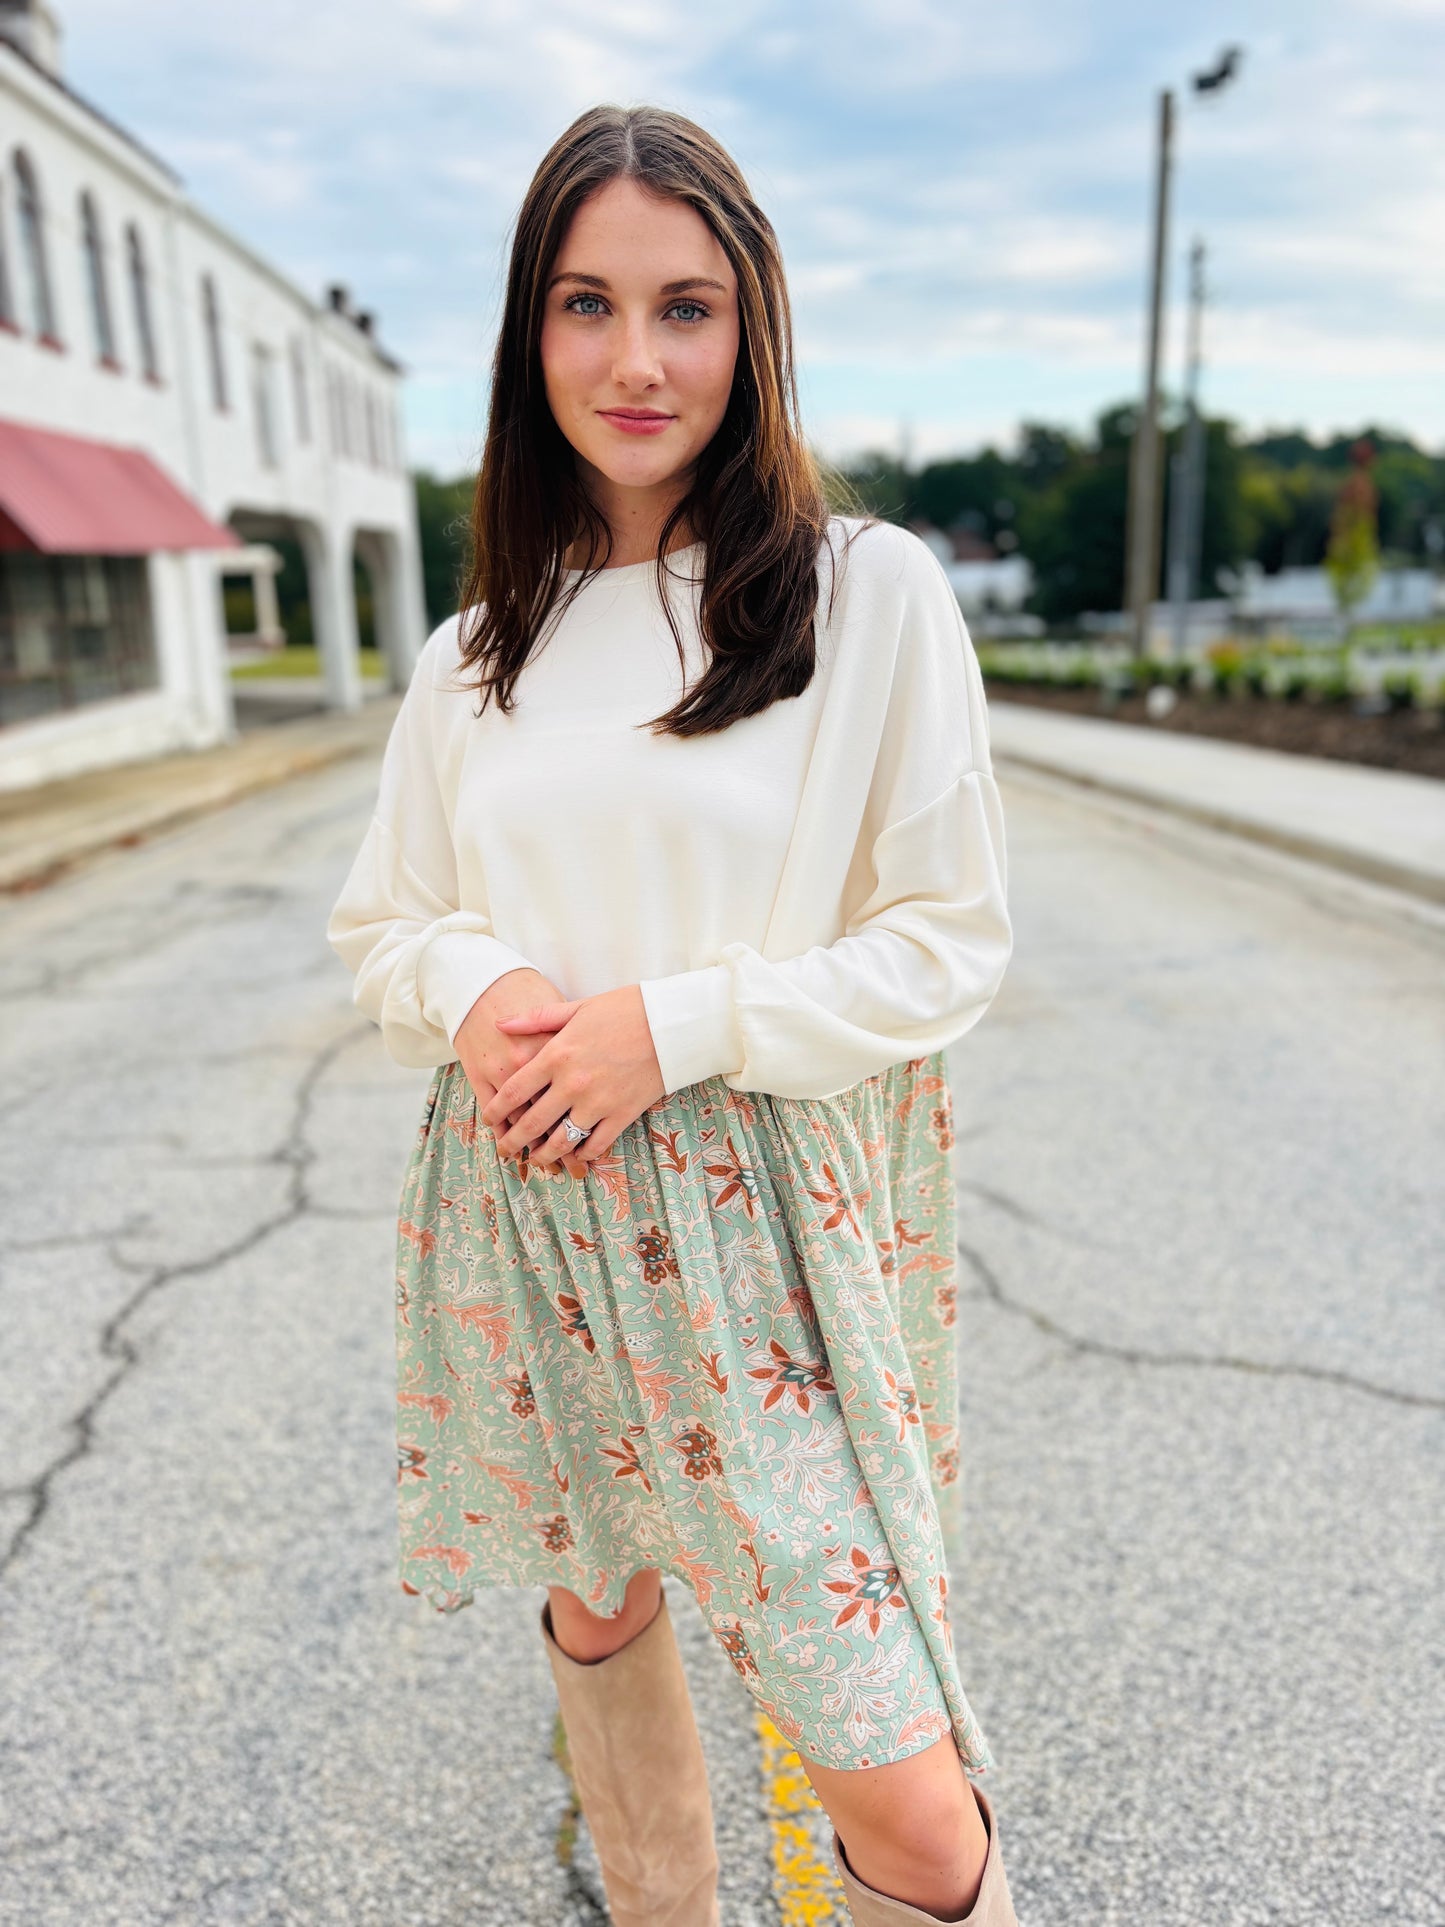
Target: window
[263,387]
[7,300]
[215,352]
[339,394]
[333,428]
[140,294]
[300,396]
[36,268]
[73,629]
[96,281]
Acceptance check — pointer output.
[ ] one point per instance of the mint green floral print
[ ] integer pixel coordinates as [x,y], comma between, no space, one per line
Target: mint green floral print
[724,1348]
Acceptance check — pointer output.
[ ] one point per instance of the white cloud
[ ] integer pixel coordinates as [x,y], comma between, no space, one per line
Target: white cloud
[962,190]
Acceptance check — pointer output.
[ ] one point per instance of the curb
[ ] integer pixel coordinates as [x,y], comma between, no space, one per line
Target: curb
[1425,884]
[125,826]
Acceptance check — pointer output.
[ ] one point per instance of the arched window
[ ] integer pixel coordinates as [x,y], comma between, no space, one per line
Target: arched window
[96,280]
[343,415]
[333,412]
[140,295]
[36,269]
[8,318]
[300,393]
[263,388]
[215,352]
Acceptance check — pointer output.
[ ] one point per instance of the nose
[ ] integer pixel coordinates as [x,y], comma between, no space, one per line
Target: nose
[637,363]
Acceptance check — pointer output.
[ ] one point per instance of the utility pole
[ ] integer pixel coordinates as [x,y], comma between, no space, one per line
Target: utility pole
[1186,474]
[1142,539]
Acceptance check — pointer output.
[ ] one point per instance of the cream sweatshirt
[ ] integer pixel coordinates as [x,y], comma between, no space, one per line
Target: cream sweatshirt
[806,897]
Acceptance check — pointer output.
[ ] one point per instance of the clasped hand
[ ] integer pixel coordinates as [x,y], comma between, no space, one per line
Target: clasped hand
[600,1067]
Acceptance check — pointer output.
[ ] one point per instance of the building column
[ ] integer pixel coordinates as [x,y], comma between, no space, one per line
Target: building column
[186,589]
[399,637]
[268,610]
[333,612]
[411,590]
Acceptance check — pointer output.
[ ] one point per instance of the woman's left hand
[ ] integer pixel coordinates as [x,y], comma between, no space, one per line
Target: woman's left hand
[600,1067]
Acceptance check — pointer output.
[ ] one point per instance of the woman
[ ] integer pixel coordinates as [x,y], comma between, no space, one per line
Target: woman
[683,913]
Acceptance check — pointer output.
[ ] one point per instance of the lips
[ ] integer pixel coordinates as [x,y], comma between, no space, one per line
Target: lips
[636,421]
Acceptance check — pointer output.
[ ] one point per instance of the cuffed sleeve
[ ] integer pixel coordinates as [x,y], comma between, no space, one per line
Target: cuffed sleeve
[419,960]
[456,966]
[693,1021]
[918,966]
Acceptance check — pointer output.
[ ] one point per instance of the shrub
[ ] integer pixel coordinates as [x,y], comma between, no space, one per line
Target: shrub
[1226,664]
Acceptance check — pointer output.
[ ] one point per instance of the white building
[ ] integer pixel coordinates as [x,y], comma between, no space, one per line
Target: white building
[1296,596]
[167,400]
[991,588]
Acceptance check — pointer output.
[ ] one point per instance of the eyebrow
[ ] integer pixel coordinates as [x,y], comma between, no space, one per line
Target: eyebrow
[668,287]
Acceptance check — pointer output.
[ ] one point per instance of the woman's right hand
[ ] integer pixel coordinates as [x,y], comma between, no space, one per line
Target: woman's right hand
[488,1055]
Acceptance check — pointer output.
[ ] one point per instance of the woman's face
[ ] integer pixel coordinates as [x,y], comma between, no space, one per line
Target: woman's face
[639,340]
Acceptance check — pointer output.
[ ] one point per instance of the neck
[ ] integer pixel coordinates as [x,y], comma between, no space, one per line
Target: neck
[634,517]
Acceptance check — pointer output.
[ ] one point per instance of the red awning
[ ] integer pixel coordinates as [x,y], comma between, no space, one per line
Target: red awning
[66,495]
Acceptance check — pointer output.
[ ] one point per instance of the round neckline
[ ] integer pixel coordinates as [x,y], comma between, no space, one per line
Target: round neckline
[634,568]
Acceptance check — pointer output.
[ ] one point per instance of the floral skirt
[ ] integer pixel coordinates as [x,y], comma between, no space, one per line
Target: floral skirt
[724,1349]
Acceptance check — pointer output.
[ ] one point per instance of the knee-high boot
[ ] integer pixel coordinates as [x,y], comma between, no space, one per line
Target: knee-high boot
[992,1906]
[641,1780]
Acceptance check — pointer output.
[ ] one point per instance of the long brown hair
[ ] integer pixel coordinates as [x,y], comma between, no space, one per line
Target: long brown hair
[756,500]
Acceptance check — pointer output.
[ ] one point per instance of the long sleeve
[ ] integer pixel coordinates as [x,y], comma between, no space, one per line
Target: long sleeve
[419,960]
[923,955]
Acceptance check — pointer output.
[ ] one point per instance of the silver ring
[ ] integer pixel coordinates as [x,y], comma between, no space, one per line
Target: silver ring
[575,1132]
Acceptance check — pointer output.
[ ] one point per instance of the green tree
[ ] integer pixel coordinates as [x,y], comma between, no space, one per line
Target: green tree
[1223,540]
[882,485]
[1286,512]
[1044,455]
[1061,498]
[293,591]
[442,509]
[1072,532]
[1412,491]
[1353,557]
[975,492]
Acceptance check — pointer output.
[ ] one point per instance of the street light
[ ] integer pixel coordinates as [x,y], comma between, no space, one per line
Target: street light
[1142,540]
[1186,473]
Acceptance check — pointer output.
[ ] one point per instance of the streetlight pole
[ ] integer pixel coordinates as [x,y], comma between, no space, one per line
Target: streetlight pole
[1142,538]
[1186,473]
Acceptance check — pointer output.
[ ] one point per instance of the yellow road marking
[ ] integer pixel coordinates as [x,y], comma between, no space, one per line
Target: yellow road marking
[804,1881]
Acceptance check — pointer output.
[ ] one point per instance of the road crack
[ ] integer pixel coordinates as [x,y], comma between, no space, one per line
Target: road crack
[295,1152]
[993,1292]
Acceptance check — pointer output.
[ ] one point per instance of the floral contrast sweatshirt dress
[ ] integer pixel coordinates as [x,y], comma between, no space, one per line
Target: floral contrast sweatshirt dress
[723,1348]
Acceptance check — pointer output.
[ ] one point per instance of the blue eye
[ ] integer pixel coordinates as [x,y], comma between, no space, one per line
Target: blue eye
[573,299]
[699,312]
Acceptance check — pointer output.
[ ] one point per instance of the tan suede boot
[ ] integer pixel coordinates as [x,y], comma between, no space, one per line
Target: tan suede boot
[992,1906]
[641,1781]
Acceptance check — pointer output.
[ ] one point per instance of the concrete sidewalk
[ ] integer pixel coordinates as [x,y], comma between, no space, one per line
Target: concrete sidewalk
[1372,822]
[45,831]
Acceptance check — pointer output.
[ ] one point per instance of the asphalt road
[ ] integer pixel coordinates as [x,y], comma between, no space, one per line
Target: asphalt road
[1199,1155]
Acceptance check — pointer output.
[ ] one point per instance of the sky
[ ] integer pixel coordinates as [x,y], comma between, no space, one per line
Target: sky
[963,192]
